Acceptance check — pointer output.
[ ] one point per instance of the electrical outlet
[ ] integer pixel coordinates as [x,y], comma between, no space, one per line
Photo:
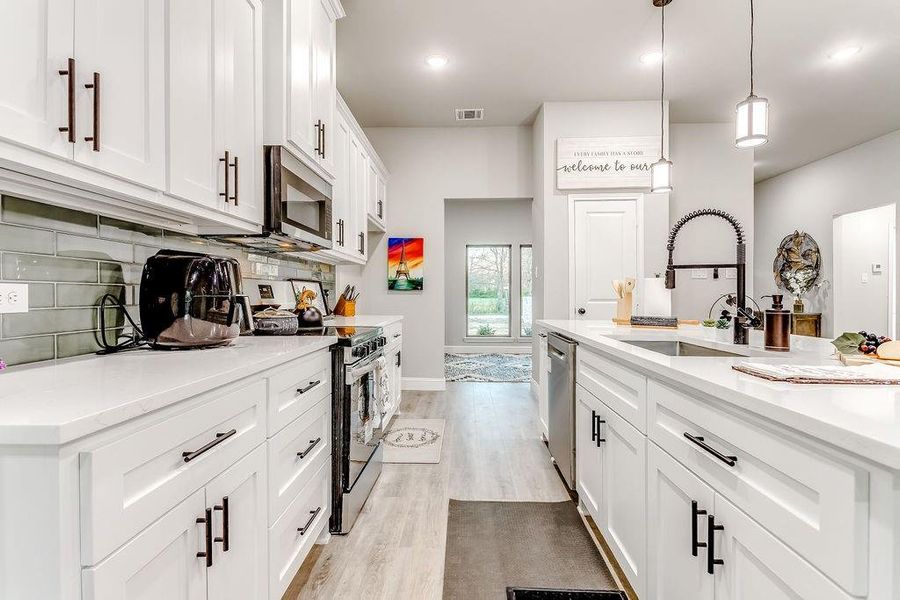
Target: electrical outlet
[864,278]
[13,297]
[699,274]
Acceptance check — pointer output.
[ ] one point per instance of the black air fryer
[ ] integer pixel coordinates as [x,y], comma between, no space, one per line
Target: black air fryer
[192,300]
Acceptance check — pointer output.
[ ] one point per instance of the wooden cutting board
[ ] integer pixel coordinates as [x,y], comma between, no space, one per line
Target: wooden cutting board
[852,360]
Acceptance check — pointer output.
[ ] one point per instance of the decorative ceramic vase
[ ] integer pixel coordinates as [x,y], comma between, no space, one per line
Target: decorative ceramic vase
[798,305]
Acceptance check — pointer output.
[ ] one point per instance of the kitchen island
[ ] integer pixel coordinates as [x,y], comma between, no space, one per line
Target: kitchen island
[706,482]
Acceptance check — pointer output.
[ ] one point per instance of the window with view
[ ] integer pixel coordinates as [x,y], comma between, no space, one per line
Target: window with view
[525,260]
[488,291]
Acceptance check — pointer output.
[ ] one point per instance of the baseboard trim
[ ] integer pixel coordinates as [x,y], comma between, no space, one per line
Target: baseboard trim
[488,349]
[424,384]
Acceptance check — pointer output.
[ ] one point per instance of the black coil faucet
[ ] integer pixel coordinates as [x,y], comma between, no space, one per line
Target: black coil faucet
[741,326]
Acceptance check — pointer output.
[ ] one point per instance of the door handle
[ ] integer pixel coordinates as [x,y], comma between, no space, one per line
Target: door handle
[581,311]
[557,353]
[207,552]
[711,529]
[695,512]
[223,508]
[69,71]
[94,138]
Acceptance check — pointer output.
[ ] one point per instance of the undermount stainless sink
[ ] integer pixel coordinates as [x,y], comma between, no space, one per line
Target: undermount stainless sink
[677,348]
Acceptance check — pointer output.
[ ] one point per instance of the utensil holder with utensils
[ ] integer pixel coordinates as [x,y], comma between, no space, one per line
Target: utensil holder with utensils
[624,297]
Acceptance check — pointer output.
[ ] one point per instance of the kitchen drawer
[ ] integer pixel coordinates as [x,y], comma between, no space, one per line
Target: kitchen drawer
[295,454]
[621,389]
[815,503]
[129,483]
[293,535]
[393,331]
[296,387]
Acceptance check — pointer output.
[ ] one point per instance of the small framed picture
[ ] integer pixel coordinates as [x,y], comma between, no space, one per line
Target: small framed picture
[313,292]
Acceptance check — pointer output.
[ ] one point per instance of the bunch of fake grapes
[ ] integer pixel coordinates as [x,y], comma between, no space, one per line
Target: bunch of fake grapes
[871,343]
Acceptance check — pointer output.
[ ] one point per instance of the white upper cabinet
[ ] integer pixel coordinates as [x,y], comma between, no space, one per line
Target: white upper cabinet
[121,88]
[377,189]
[300,78]
[36,43]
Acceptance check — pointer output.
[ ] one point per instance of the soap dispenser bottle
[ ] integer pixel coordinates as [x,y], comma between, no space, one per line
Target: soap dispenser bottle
[777,325]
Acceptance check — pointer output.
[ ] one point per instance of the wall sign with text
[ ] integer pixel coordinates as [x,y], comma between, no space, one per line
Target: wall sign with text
[606,162]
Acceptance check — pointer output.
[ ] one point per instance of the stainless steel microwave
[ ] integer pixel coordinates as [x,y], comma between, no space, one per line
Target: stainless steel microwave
[297,207]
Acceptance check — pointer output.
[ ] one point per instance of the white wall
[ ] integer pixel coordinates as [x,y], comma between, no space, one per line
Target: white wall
[862,296]
[427,166]
[472,222]
[708,172]
[809,197]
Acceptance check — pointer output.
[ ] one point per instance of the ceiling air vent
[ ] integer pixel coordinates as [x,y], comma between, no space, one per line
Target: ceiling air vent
[469,114]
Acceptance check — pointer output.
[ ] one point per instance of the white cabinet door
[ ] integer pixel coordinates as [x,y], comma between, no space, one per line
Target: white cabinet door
[301,124]
[123,43]
[605,249]
[323,48]
[588,454]
[362,199]
[755,564]
[381,199]
[342,192]
[35,44]
[356,222]
[195,94]
[240,53]
[624,495]
[238,500]
[677,507]
[160,562]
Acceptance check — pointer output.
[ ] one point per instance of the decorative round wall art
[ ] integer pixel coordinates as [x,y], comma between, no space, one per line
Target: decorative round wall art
[797,263]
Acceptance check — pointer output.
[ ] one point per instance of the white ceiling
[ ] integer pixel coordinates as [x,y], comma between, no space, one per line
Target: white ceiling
[508,56]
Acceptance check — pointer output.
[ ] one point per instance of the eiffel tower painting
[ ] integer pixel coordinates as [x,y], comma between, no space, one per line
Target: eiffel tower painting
[405,264]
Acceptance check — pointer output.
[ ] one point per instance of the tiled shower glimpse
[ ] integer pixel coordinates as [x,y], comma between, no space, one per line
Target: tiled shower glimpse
[70,259]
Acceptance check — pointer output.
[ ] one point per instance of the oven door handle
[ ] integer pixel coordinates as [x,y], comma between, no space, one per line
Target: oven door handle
[355,373]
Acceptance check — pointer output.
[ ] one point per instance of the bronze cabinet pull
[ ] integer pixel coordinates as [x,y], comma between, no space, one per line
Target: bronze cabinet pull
[223,508]
[220,437]
[69,71]
[236,184]
[227,160]
[207,553]
[311,385]
[312,517]
[312,444]
[95,136]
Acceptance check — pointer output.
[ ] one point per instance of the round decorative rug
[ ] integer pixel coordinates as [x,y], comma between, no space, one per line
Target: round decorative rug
[411,437]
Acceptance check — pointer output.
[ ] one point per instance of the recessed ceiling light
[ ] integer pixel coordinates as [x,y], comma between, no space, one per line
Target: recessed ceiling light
[437,61]
[844,53]
[652,57]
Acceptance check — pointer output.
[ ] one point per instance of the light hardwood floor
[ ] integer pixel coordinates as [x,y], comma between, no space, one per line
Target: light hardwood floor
[492,451]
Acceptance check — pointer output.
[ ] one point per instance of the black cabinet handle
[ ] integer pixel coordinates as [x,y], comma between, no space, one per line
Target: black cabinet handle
[227,160]
[312,517]
[728,460]
[318,147]
[380,209]
[311,385]
[340,238]
[224,510]
[695,512]
[711,529]
[69,72]
[362,242]
[595,428]
[312,444]
[220,437]
[95,137]
[323,140]
[399,352]
[236,184]
[207,553]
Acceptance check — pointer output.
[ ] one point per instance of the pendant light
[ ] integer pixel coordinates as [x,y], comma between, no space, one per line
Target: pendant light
[661,170]
[752,122]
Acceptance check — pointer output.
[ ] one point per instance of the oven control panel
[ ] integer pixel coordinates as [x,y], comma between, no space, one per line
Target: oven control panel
[366,348]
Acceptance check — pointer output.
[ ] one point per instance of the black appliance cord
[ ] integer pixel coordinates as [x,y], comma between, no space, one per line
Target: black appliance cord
[134,340]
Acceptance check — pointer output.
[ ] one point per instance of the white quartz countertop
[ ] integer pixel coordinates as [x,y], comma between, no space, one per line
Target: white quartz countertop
[365,321]
[56,402]
[862,419]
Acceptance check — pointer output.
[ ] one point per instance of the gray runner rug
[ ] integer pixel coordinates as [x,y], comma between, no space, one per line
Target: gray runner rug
[495,545]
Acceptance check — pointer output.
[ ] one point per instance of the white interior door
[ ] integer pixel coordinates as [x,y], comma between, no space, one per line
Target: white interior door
[123,41]
[604,248]
[35,44]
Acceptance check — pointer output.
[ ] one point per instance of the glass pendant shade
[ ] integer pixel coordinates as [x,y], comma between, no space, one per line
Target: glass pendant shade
[661,176]
[752,122]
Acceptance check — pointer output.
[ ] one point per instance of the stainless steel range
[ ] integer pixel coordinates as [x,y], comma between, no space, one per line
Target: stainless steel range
[356,423]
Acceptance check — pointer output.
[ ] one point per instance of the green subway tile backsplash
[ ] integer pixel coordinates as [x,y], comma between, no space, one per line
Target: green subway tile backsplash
[70,259]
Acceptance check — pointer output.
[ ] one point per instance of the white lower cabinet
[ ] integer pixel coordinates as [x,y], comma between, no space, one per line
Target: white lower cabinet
[588,453]
[542,378]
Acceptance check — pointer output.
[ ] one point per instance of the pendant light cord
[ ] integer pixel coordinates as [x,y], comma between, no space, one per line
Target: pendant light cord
[662,83]
[751,47]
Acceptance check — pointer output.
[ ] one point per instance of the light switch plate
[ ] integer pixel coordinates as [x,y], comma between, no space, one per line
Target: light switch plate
[13,297]
[730,273]
[699,274]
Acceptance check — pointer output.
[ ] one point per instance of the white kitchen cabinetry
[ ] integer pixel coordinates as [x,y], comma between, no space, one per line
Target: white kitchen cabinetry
[376,192]
[361,195]
[300,78]
[542,379]
[393,354]
[36,42]
[120,49]
[589,453]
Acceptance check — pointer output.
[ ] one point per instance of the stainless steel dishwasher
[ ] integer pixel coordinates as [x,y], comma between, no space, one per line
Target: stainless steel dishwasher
[561,391]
